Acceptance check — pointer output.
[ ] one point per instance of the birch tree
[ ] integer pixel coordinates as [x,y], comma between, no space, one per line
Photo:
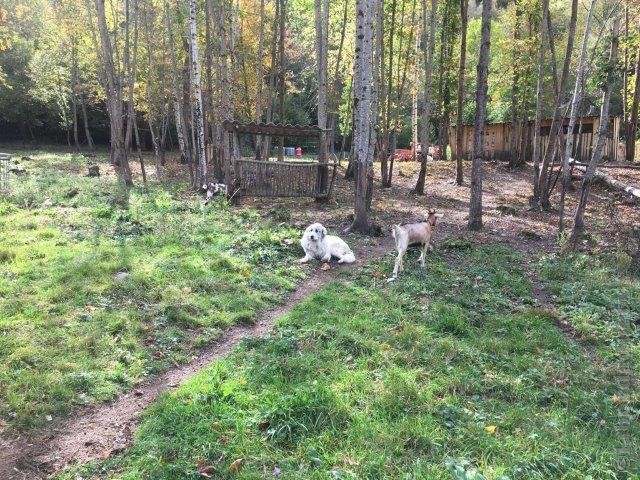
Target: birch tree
[576,100]
[426,112]
[464,5]
[198,112]
[363,135]
[321,44]
[114,92]
[539,98]
[475,204]
[578,221]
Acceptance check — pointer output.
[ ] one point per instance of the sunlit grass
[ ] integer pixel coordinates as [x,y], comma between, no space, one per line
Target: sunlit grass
[71,333]
[449,372]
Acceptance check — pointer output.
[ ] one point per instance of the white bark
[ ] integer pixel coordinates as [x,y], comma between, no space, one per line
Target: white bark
[575,107]
[363,135]
[197,90]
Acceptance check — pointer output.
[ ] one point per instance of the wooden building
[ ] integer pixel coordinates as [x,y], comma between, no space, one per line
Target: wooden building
[499,146]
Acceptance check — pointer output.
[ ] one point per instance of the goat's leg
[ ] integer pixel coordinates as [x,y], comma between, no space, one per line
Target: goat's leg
[423,254]
[398,267]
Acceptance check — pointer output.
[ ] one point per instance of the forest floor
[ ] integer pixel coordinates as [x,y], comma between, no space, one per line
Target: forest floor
[428,364]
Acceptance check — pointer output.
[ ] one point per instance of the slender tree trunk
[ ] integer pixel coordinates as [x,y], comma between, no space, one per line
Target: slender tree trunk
[260,80]
[632,127]
[321,43]
[384,140]
[363,131]
[426,112]
[266,141]
[578,221]
[85,121]
[114,98]
[183,142]
[556,124]
[537,143]
[475,204]
[573,118]
[75,86]
[515,86]
[282,79]
[464,5]
[197,89]
[150,103]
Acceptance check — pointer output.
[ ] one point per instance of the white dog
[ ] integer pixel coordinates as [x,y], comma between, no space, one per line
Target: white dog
[317,244]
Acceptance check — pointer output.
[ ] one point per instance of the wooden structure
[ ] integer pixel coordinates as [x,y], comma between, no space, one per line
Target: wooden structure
[265,178]
[5,159]
[498,139]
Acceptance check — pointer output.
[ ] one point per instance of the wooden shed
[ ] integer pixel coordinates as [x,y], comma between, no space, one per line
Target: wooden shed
[498,138]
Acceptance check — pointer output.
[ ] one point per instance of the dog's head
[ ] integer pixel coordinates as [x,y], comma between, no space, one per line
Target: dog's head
[315,232]
[433,217]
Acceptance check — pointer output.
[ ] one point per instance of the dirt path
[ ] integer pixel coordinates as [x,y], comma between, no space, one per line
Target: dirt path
[105,429]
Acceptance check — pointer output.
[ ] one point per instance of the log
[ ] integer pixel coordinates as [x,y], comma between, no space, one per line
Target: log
[612,182]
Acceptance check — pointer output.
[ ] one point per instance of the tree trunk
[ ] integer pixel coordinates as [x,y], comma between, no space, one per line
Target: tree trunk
[282,79]
[539,99]
[150,104]
[632,126]
[475,204]
[363,133]
[197,90]
[578,221]
[259,80]
[426,112]
[556,124]
[321,44]
[266,141]
[183,142]
[573,118]
[464,5]
[114,98]
[85,121]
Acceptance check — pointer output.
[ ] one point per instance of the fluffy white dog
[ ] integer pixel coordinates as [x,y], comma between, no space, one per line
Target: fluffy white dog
[317,244]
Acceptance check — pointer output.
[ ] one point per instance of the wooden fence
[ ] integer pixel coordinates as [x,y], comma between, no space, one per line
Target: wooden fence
[499,145]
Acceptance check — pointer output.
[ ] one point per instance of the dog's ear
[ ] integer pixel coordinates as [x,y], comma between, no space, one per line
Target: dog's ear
[324,232]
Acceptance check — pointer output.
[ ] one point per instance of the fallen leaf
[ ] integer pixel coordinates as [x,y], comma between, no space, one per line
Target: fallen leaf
[288,241]
[263,425]
[325,267]
[560,382]
[490,429]
[277,472]
[204,469]
[224,439]
[216,425]
[186,289]
[616,399]
[236,465]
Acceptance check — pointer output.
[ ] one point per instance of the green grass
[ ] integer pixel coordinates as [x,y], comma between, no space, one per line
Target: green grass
[70,333]
[449,372]
[601,302]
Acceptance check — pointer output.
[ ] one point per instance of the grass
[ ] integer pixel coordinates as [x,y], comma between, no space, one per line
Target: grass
[601,302]
[71,333]
[449,372]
